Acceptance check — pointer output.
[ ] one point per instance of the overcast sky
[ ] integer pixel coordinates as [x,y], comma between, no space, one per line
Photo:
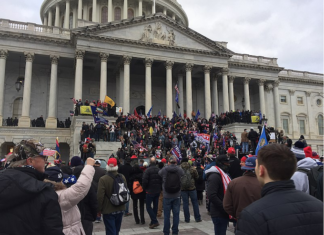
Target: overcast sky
[290,30]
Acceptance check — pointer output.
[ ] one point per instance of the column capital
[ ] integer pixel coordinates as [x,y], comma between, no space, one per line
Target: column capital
[149,62]
[189,67]
[169,64]
[261,82]
[104,57]
[268,87]
[3,54]
[29,56]
[308,93]
[225,71]
[291,92]
[231,78]
[127,59]
[79,54]
[276,83]
[54,59]
[247,80]
[207,68]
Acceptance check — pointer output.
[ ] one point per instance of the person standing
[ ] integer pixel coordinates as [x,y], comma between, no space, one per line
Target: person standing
[99,172]
[235,167]
[188,190]
[200,183]
[28,205]
[253,136]
[245,141]
[171,176]
[126,170]
[112,215]
[282,209]
[152,184]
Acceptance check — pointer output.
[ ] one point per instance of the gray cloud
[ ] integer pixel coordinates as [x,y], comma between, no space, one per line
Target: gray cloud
[290,30]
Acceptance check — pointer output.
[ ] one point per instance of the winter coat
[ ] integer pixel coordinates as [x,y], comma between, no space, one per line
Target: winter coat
[200,183]
[70,197]
[300,178]
[244,137]
[126,170]
[99,172]
[215,193]
[28,205]
[207,168]
[282,210]
[194,175]
[136,175]
[152,181]
[235,168]
[253,135]
[163,173]
[240,193]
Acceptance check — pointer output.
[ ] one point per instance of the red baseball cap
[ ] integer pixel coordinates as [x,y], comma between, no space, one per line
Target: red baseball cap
[163,160]
[193,159]
[134,157]
[231,151]
[112,162]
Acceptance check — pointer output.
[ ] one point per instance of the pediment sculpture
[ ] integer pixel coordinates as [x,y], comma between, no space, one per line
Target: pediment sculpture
[158,35]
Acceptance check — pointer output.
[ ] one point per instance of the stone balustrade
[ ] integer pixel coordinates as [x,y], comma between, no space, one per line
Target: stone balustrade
[301,74]
[254,59]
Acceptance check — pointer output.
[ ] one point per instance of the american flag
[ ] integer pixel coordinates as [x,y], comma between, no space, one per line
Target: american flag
[176,88]
[49,152]
[74,101]
[177,153]
[138,145]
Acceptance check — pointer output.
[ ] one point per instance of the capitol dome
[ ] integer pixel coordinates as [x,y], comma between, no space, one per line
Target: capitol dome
[88,12]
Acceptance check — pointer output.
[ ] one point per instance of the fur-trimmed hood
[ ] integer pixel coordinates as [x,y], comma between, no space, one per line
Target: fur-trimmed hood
[57,185]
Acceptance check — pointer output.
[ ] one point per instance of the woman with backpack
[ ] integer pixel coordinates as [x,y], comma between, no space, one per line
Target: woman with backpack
[137,193]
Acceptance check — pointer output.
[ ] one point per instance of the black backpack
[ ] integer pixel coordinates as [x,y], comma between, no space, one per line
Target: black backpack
[120,193]
[172,182]
[313,178]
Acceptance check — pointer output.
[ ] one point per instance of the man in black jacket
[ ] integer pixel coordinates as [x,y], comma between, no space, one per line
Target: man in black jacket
[99,172]
[28,205]
[282,210]
[235,166]
[152,184]
[253,136]
[126,170]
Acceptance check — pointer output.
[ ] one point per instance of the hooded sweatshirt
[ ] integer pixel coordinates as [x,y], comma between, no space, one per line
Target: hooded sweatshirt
[300,178]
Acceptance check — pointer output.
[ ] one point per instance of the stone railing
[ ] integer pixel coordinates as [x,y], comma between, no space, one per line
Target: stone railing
[301,74]
[32,28]
[254,59]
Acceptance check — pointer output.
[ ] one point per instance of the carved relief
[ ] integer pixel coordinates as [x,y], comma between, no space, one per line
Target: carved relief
[225,71]
[3,54]
[261,82]
[268,87]
[29,56]
[148,62]
[158,35]
[189,67]
[54,59]
[247,80]
[79,54]
[127,59]
[104,57]
[276,83]
[207,68]
[169,64]
[231,78]
[308,93]
[291,92]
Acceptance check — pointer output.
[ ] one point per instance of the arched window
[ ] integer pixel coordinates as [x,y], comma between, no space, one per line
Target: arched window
[104,15]
[320,124]
[130,13]
[62,23]
[71,21]
[17,107]
[117,13]
[90,14]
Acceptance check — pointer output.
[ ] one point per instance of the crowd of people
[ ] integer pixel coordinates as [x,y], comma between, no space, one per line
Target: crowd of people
[39,122]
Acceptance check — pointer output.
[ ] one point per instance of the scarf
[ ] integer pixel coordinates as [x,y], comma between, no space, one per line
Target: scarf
[225,178]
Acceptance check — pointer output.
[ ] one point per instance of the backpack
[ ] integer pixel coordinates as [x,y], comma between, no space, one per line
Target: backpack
[172,182]
[313,178]
[137,187]
[120,193]
[85,148]
[186,182]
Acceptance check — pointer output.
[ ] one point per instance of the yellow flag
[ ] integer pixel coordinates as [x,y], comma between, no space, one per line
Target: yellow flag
[109,101]
[255,119]
[85,110]
[151,131]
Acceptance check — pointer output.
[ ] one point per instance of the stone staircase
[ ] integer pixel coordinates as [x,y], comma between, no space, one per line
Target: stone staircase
[105,149]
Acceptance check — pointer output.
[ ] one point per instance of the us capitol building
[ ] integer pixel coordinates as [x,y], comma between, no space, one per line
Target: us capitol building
[136,51]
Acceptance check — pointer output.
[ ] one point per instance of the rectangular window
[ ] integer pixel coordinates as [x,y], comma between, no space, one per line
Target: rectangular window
[302,127]
[285,125]
[283,99]
[300,100]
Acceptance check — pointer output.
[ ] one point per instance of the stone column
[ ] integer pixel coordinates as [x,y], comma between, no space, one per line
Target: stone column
[169,65]
[118,103]
[125,10]
[50,18]
[24,120]
[231,92]
[189,89]
[67,15]
[164,11]
[261,96]
[173,16]
[110,11]
[153,7]
[51,121]
[140,7]
[180,86]
[276,104]
[75,17]
[294,129]
[94,11]
[57,16]
[225,90]
[79,55]
[148,84]
[3,60]
[121,87]
[127,61]
[215,94]
[80,10]
[103,76]
[85,12]
[45,21]
[311,119]
[207,69]
[247,93]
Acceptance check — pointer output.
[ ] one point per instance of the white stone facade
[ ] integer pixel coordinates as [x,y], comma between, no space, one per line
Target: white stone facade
[137,62]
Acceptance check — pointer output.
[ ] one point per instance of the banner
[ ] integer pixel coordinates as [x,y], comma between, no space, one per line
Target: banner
[86,110]
[255,119]
[119,109]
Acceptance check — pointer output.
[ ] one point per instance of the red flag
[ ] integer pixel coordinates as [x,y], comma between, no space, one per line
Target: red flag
[136,114]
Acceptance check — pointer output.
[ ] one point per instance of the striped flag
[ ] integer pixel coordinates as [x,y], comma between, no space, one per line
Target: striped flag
[57,147]
[49,152]
[176,88]
[177,153]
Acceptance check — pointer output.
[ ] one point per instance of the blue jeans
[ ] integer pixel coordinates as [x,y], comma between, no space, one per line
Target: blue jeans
[220,225]
[112,223]
[168,205]
[112,136]
[245,147]
[180,142]
[193,196]
[127,208]
[152,211]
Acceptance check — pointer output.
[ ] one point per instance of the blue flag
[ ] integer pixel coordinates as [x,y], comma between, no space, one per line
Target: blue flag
[174,114]
[197,115]
[149,112]
[224,142]
[177,98]
[94,110]
[262,141]
[260,115]
[180,115]
[159,115]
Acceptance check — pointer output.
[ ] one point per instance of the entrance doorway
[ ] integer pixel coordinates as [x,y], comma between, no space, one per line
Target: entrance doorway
[141,110]
[6,148]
